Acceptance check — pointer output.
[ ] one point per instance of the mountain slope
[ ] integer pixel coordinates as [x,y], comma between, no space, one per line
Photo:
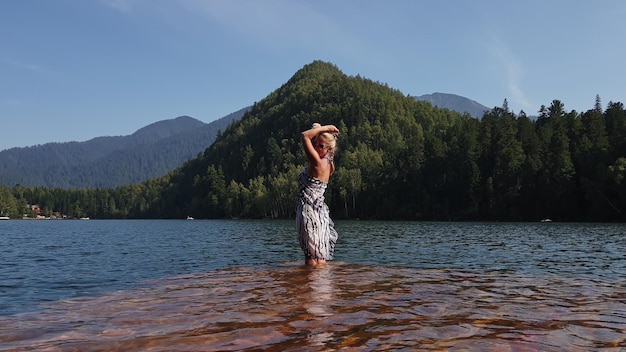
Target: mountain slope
[251,169]
[164,129]
[398,158]
[149,152]
[112,161]
[455,103]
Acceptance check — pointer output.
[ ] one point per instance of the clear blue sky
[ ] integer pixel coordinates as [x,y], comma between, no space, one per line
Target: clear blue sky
[72,70]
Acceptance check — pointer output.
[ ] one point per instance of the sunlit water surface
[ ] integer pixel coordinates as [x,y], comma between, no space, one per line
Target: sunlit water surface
[240,285]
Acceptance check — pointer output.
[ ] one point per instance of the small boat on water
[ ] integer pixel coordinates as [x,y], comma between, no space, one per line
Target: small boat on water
[190,218]
[546,220]
[5,218]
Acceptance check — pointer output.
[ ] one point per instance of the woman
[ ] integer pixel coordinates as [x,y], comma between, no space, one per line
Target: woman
[316,231]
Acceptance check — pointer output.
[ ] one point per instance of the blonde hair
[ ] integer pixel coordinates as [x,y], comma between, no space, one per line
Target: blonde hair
[329,139]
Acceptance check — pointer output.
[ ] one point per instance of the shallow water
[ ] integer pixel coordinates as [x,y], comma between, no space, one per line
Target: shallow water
[231,286]
[345,306]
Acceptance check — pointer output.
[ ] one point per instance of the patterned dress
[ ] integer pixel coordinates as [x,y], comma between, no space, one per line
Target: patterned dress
[316,231]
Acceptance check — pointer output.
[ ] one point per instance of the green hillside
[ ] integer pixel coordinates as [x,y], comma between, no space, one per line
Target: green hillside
[108,162]
[398,158]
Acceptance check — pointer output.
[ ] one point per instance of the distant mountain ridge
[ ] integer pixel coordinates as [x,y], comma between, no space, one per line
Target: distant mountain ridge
[455,103]
[165,129]
[105,162]
[151,151]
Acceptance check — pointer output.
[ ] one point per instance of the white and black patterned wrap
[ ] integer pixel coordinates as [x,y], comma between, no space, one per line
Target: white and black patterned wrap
[316,231]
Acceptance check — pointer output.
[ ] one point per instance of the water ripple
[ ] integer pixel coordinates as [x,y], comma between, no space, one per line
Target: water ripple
[339,306]
[211,285]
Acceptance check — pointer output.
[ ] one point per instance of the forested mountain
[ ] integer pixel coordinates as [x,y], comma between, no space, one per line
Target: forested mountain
[151,151]
[398,158]
[455,103]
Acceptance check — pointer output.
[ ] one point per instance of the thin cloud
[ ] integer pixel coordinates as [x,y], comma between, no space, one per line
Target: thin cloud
[11,102]
[124,6]
[513,72]
[272,23]
[293,27]
[276,24]
[23,65]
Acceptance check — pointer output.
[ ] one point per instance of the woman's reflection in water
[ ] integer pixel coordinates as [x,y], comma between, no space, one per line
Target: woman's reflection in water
[320,297]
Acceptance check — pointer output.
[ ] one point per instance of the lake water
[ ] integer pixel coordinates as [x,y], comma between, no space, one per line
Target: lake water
[191,285]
